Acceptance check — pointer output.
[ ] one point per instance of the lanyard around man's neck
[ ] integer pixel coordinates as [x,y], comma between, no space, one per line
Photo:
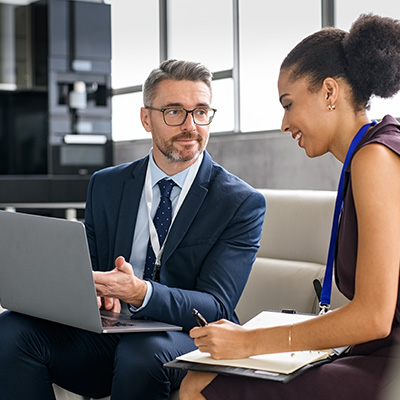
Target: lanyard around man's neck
[148,188]
[325,300]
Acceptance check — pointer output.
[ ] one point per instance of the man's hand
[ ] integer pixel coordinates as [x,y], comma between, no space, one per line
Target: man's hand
[120,283]
[109,303]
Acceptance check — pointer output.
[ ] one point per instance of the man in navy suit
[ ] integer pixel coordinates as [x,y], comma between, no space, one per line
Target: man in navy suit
[204,262]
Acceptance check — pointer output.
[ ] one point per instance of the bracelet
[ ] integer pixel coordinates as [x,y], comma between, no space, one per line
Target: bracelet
[290,337]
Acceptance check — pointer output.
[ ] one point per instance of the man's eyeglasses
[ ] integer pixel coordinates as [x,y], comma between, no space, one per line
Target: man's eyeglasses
[175,116]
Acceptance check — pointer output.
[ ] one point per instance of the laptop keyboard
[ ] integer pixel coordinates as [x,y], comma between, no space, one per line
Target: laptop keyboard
[108,322]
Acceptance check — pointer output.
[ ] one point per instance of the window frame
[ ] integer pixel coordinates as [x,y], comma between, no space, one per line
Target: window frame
[327,19]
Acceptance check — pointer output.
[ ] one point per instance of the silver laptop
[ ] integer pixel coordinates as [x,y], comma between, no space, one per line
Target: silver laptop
[46,272]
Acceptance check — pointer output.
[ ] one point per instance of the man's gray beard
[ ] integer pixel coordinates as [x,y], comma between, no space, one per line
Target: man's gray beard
[172,154]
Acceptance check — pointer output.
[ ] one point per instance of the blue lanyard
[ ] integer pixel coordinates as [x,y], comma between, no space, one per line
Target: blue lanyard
[325,300]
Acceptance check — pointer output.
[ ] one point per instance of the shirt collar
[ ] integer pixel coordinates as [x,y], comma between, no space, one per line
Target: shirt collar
[157,174]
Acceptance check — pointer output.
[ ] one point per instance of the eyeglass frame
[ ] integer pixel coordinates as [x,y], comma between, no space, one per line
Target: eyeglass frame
[187,113]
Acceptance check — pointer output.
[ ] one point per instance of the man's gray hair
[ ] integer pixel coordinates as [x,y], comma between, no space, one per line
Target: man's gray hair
[175,70]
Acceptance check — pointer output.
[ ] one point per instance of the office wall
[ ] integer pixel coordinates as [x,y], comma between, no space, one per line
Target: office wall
[265,160]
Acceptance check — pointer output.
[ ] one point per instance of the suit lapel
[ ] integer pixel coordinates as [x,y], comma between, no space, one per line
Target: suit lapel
[190,207]
[131,195]
[130,201]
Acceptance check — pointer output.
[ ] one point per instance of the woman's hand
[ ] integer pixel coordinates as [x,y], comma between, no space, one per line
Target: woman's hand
[223,340]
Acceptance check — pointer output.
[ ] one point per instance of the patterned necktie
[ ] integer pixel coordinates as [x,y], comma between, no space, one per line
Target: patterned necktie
[162,221]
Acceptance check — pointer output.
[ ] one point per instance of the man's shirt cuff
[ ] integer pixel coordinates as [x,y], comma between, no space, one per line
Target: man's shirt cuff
[146,298]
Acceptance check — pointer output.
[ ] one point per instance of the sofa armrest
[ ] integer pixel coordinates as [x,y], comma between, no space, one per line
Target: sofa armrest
[283,284]
[279,284]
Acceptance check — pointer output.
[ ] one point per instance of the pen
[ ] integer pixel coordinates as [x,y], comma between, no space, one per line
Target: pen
[199,318]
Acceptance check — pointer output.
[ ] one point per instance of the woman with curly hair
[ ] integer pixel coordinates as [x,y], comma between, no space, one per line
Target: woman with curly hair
[325,85]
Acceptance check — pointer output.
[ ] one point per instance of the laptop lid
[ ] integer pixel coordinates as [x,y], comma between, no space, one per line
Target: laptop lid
[46,272]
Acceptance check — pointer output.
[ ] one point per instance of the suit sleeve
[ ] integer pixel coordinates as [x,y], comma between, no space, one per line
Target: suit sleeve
[222,276]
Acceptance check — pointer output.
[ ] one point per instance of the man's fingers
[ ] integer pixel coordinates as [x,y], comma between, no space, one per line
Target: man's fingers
[119,261]
[108,303]
[123,266]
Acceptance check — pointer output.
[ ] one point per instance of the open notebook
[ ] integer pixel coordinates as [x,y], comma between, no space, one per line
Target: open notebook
[278,366]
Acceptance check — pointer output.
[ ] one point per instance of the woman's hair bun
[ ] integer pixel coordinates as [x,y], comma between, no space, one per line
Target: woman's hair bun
[372,50]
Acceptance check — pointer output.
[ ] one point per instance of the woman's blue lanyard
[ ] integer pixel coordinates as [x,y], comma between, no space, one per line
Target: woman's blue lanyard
[325,299]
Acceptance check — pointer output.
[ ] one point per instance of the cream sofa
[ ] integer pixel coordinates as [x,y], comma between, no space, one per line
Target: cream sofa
[293,251]
[292,254]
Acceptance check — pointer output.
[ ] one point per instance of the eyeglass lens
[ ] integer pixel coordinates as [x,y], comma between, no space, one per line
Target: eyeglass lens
[176,116]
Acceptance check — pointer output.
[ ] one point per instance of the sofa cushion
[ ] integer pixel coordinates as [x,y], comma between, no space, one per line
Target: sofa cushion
[297,224]
[62,394]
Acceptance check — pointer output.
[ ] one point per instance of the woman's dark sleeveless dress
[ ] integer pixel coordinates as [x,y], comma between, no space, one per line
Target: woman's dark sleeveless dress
[362,373]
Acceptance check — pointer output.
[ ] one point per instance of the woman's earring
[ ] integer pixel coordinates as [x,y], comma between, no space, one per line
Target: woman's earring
[331,107]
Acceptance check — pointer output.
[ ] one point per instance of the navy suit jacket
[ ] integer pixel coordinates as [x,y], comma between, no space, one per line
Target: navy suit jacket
[210,249]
